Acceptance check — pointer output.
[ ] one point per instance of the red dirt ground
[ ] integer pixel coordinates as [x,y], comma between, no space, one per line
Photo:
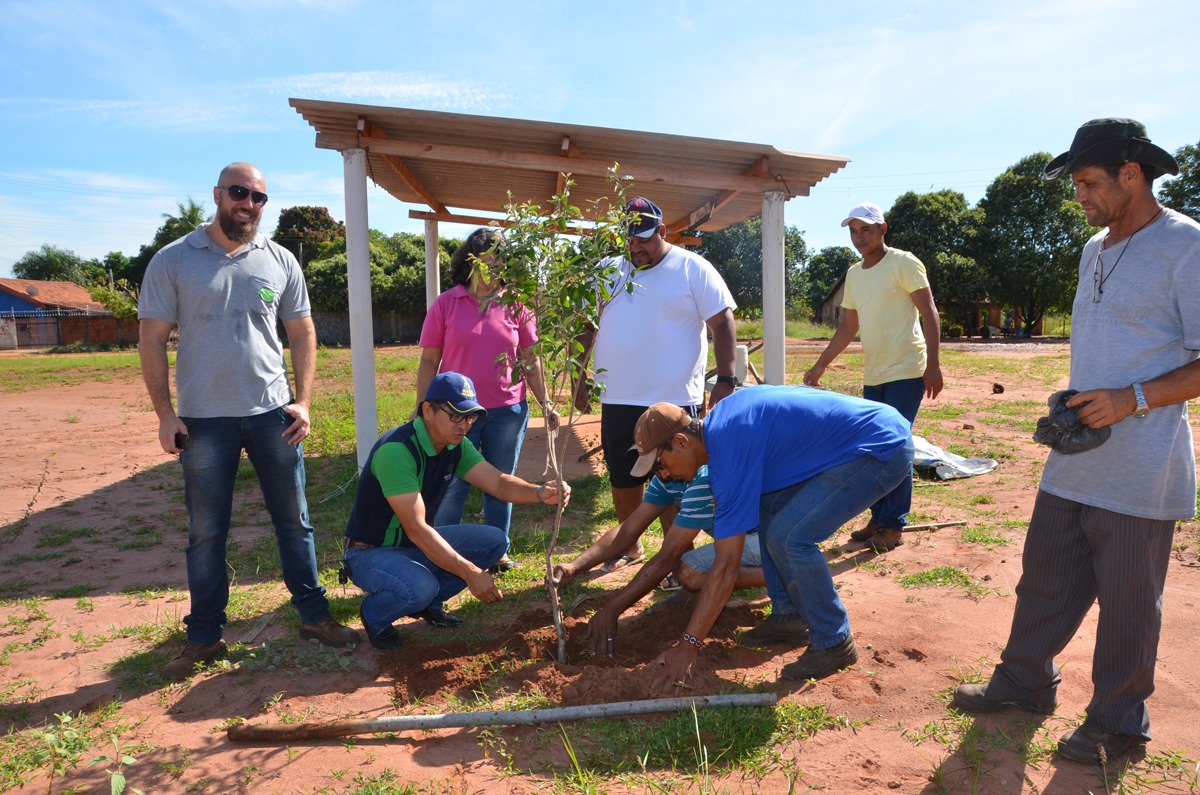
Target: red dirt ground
[75,457]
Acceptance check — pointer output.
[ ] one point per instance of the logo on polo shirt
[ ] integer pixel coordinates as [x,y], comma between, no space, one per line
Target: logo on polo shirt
[266,294]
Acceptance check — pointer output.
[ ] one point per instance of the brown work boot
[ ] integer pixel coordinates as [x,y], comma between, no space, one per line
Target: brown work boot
[786,628]
[193,654]
[886,539]
[975,698]
[330,633]
[865,532]
[820,663]
[1096,747]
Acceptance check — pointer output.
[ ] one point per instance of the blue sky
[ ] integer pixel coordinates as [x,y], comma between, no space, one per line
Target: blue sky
[115,110]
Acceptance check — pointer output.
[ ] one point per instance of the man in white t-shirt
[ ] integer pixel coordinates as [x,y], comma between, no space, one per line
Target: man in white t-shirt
[676,294]
[889,304]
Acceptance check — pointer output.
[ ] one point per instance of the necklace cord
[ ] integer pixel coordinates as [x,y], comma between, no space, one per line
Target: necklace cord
[1099,277]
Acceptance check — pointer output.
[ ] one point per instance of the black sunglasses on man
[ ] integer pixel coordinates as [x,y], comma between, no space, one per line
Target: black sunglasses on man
[239,193]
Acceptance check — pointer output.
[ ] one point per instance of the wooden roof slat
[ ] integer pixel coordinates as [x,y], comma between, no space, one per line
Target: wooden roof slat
[507,159]
[454,162]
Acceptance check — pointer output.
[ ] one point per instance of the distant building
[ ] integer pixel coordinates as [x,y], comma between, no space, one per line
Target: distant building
[830,311]
[39,314]
[29,295]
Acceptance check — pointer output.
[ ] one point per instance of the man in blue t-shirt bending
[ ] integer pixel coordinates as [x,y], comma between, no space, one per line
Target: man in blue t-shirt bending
[796,463]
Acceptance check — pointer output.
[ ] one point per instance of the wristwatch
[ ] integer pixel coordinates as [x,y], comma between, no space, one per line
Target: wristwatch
[1143,408]
[732,380]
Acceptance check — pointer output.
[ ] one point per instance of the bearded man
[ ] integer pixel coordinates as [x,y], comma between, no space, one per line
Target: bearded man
[225,285]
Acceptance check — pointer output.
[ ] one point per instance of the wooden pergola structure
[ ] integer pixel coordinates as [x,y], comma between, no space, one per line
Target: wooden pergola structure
[457,164]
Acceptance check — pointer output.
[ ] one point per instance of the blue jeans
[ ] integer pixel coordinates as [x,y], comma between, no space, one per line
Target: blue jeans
[904,396]
[210,466]
[400,581]
[794,520]
[499,437]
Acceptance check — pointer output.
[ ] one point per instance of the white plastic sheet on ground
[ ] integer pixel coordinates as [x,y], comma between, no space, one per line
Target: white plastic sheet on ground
[929,458]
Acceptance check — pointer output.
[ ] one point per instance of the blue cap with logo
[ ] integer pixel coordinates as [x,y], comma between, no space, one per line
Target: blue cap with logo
[644,217]
[456,391]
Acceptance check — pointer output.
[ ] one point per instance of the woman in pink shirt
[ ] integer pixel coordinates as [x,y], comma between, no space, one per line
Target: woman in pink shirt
[467,332]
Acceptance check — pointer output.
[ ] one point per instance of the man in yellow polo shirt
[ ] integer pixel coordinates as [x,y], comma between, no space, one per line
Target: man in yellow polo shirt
[889,305]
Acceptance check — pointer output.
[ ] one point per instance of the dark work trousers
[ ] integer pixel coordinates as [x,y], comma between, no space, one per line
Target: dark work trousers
[1075,555]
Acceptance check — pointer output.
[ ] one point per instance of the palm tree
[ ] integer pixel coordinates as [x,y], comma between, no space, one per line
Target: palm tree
[189,217]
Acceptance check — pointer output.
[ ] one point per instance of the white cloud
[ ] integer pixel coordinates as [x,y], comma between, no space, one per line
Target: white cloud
[382,87]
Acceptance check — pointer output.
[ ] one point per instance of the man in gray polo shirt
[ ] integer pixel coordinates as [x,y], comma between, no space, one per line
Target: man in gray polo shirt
[225,285]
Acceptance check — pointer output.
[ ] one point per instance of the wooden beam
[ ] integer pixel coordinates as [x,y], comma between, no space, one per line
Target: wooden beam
[371,129]
[454,218]
[704,212]
[701,215]
[500,158]
[414,184]
[478,220]
[568,150]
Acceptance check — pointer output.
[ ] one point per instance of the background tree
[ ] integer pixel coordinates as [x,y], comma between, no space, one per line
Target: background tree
[1032,233]
[115,265]
[736,253]
[928,224]
[189,216]
[306,232]
[823,272]
[54,264]
[397,273]
[1182,193]
[401,287]
[327,279]
[963,284]
[117,296]
[940,229]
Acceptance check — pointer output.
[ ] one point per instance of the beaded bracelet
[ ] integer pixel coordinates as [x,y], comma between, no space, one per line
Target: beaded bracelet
[693,640]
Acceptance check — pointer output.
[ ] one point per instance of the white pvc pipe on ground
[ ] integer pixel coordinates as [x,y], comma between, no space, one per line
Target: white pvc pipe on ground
[244,732]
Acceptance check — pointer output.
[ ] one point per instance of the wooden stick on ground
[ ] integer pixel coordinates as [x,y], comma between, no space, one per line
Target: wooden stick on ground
[934,526]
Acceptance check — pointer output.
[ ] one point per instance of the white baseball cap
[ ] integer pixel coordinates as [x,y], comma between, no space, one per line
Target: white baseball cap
[865,212]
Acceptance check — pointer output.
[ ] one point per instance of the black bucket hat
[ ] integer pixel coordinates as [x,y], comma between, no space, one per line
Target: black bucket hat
[1106,141]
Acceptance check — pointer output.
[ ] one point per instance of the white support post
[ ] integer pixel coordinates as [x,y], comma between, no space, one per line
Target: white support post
[433,279]
[774,286]
[362,335]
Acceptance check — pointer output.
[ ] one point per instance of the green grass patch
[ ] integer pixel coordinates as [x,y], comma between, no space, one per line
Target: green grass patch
[50,751]
[72,592]
[45,370]
[716,740]
[942,411]
[945,577]
[140,538]
[986,536]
